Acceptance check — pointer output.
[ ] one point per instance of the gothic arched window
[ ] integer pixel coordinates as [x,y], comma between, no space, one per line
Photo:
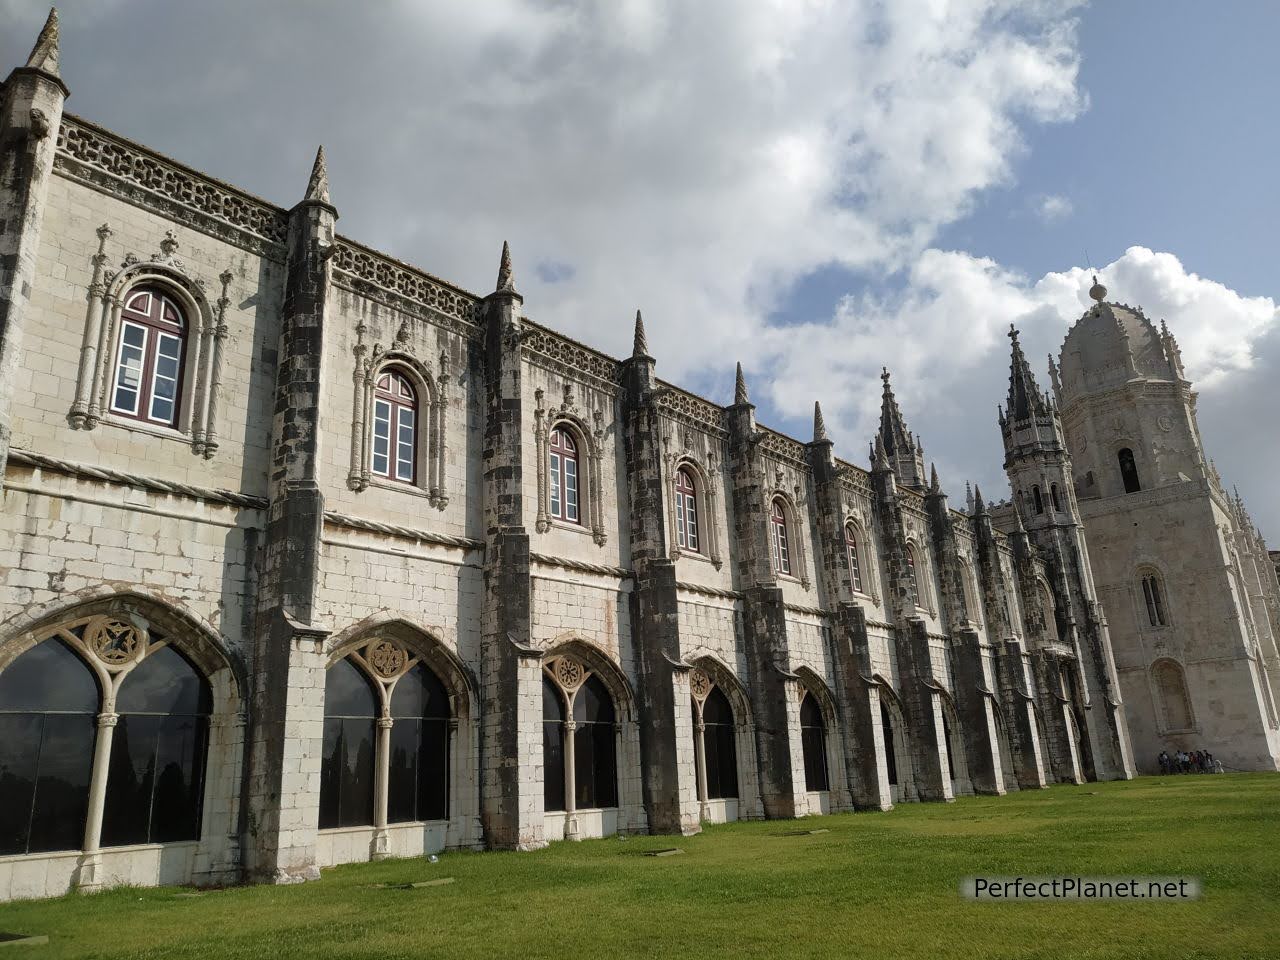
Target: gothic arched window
[913,578]
[686,510]
[813,742]
[1053,496]
[147,382]
[778,532]
[1153,595]
[582,749]
[347,761]
[851,548]
[715,746]
[1037,499]
[156,779]
[394,450]
[418,775]
[1128,471]
[564,475]
[48,716]
[1175,701]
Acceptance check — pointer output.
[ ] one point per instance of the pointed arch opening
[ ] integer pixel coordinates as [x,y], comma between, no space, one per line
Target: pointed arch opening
[1173,697]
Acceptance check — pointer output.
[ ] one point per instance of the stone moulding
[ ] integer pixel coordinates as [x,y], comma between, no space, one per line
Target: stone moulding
[708,591]
[83,471]
[399,283]
[406,533]
[693,411]
[132,173]
[546,560]
[559,354]
[783,448]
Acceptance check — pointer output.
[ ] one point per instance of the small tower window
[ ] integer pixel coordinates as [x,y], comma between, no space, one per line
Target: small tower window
[1153,594]
[686,511]
[1128,471]
[1037,499]
[564,476]
[851,546]
[914,578]
[778,529]
[1053,496]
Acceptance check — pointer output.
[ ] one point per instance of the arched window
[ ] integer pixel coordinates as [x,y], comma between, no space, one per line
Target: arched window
[48,714]
[564,476]
[686,511]
[1153,595]
[1053,496]
[778,531]
[418,781]
[813,741]
[890,754]
[394,452]
[851,548]
[1175,701]
[147,384]
[384,710]
[715,750]
[56,728]
[347,762]
[582,751]
[1048,610]
[913,578]
[156,779]
[1128,471]
[1037,499]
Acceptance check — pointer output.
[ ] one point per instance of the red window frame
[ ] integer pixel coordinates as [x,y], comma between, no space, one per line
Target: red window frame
[686,511]
[155,319]
[851,547]
[565,476]
[394,394]
[778,535]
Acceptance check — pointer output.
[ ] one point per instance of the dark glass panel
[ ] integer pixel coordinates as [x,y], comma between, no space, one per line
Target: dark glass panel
[813,741]
[552,765]
[595,768]
[56,784]
[419,693]
[720,744]
[130,777]
[946,735]
[19,760]
[891,756]
[593,704]
[347,693]
[331,772]
[810,714]
[177,801]
[164,682]
[355,796]
[433,770]
[716,709]
[552,702]
[402,777]
[49,677]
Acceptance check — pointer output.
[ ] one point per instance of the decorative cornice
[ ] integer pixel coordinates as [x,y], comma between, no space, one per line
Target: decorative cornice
[708,591]
[84,471]
[561,353]
[130,172]
[546,560]
[783,448]
[690,409]
[379,276]
[405,533]
[808,611]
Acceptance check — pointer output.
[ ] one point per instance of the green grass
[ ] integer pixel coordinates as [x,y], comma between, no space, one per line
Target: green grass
[876,885]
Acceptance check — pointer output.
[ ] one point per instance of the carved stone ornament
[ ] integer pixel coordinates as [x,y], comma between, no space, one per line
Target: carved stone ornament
[386,658]
[112,641]
[699,685]
[1165,424]
[569,673]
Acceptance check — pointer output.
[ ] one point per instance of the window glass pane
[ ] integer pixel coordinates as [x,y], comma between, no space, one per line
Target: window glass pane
[45,764]
[19,761]
[130,779]
[419,693]
[553,766]
[595,772]
[570,489]
[355,790]
[179,784]
[347,693]
[381,437]
[404,445]
[164,682]
[891,757]
[133,339]
[722,768]
[164,381]
[691,520]
[433,770]
[593,703]
[402,781]
[331,772]
[555,485]
[680,537]
[48,677]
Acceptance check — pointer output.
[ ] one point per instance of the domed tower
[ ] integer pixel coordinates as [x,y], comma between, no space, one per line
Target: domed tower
[1039,470]
[1195,660]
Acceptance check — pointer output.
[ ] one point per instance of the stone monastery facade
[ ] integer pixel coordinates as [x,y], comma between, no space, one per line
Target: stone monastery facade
[310,557]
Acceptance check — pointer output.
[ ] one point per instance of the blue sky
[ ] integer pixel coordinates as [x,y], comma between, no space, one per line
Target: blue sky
[811,186]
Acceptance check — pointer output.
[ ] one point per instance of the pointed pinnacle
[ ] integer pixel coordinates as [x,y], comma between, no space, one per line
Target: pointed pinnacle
[506,276]
[640,346]
[979,505]
[880,460]
[44,55]
[740,388]
[934,486]
[819,425]
[318,185]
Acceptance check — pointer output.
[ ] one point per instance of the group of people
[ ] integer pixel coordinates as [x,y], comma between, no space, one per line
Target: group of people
[1197,761]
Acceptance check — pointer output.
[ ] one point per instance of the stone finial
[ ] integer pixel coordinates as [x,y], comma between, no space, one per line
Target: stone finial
[740,395]
[819,425]
[879,459]
[318,185]
[1097,292]
[979,505]
[640,345]
[44,55]
[934,486]
[506,275]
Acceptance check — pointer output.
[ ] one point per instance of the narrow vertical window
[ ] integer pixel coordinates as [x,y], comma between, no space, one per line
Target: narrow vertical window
[778,527]
[418,768]
[890,754]
[564,476]
[346,759]
[914,576]
[394,454]
[1037,499]
[686,511]
[813,742]
[851,547]
[1151,593]
[1053,496]
[148,361]
[1128,471]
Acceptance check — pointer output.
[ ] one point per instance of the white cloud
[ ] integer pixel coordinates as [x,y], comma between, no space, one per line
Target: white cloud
[1052,207]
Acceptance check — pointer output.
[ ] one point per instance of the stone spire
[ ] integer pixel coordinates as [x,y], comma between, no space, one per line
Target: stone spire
[968,497]
[506,275]
[819,425]
[904,452]
[640,345]
[979,505]
[934,486]
[318,185]
[1171,351]
[879,461]
[44,55]
[740,396]
[1025,399]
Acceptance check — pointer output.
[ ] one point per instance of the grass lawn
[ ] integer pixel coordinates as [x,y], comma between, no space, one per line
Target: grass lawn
[875,885]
